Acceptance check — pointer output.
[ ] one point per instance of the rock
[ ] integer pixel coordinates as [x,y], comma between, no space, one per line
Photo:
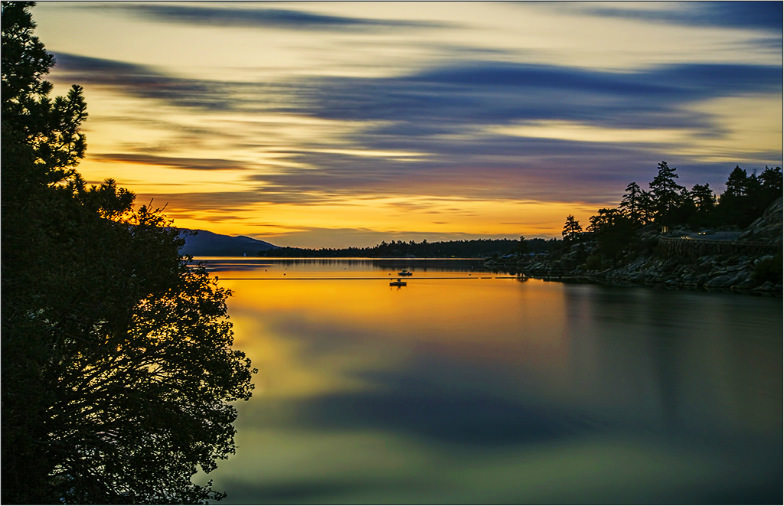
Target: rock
[764,258]
[767,288]
[766,227]
[725,280]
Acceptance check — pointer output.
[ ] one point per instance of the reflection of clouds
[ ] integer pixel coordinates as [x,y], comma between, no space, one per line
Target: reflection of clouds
[310,491]
[372,468]
[440,413]
[353,328]
[502,393]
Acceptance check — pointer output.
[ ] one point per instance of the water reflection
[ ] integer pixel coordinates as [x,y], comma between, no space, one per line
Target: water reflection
[471,390]
[330,267]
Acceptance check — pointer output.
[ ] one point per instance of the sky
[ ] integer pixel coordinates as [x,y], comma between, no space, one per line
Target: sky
[333,124]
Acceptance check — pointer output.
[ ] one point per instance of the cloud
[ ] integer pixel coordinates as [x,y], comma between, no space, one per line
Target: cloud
[171,162]
[494,92]
[453,113]
[224,202]
[143,81]
[454,98]
[492,168]
[450,130]
[289,19]
[755,15]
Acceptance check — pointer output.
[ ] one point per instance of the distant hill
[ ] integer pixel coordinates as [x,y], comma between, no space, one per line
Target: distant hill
[205,243]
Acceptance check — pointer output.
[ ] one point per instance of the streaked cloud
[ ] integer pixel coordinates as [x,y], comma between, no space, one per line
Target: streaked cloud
[143,81]
[236,15]
[752,15]
[262,109]
[565,130]
[469,93]
[168,161]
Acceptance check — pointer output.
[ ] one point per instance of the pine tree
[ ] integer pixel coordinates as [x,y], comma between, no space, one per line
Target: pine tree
[117,367]
[631,204]
[666,194]
[572,229]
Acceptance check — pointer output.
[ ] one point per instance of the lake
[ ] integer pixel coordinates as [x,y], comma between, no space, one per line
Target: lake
[473,387]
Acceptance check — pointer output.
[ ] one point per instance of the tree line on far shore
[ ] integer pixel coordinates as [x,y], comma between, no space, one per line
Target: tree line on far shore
[475,248]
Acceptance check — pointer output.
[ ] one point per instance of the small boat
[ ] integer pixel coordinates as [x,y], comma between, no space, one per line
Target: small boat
[397,283]
[404,273]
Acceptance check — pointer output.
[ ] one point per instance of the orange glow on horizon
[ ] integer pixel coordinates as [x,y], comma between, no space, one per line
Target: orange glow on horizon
[395,216]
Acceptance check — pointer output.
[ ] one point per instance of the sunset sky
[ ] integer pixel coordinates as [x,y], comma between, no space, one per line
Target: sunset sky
[336,124]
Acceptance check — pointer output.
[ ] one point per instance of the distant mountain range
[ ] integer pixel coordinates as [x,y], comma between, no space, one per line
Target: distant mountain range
[205,243]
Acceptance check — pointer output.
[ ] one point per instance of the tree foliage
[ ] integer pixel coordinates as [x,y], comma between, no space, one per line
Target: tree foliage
[703,198]
[118,371]
[571,229]
[614,232]
[634,203]
[666,194]
[747,195]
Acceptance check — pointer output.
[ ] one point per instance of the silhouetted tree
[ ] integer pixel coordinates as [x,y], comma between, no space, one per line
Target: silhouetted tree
[117,366]
[571,230]
[738,183]
[647,212]
[666,194]
[763,190]
[632,202]
[522,248]
[615,235]
[703,197]
[770,183]
[605,219]
[612,230]
[704,202]
[685,209]
[738,205]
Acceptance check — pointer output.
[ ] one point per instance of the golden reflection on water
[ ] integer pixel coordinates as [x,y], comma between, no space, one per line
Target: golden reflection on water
[495,390]
[391,324]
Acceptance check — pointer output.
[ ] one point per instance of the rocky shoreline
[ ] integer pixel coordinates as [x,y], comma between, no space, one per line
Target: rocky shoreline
[732,274]
[750,262]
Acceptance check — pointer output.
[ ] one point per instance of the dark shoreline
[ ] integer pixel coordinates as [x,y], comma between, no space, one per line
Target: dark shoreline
[739,281]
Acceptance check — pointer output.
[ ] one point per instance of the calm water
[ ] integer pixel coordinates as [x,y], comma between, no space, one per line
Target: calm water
[469,387]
